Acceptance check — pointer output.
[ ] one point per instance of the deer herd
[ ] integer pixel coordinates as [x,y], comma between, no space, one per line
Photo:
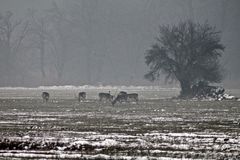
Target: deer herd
[122,97]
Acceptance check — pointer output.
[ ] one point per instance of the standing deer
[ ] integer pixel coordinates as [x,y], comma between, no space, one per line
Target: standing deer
[105,96]
[82,96]
[45,96]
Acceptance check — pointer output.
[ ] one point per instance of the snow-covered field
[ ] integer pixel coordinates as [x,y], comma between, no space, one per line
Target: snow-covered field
[156,128]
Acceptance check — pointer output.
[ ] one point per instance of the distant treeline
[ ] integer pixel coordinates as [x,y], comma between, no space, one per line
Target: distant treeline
[83,42]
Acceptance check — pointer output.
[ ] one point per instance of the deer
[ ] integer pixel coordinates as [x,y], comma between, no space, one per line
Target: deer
[105,96]
[132,97]
[82,96]
[125,97]
[45,96]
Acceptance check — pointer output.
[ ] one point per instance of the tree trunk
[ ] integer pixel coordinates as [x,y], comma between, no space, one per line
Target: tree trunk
[88,67]
[186,91]
[42,60]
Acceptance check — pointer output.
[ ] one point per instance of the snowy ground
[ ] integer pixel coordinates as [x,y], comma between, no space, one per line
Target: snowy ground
[156,128]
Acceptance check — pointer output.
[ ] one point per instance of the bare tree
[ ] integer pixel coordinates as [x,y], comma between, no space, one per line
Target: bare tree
[88,10]
[189,53]
[84,15]
[12,34]
[40,35]
[58,37]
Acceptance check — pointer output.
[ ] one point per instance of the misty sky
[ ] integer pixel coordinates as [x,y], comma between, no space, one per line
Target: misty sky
[122,30]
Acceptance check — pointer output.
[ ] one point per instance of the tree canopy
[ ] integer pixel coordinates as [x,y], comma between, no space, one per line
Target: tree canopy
[188,52]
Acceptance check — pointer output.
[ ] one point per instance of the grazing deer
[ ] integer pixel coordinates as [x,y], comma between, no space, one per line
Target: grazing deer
[132,97]
[121,97]
[45,96]
[122,92]
[82,96]
[105,97]
[124,97]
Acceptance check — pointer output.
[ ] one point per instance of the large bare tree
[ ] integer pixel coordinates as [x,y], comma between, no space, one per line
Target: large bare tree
[188,52]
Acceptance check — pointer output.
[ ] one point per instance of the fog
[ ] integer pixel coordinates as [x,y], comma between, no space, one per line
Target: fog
[92,42]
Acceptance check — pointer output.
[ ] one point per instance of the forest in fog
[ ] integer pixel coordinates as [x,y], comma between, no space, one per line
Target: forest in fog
[92,42]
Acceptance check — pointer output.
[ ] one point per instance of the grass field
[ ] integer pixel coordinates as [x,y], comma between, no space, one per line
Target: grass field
[156,128]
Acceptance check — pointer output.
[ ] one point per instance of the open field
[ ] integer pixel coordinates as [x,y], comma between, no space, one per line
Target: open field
[156,127]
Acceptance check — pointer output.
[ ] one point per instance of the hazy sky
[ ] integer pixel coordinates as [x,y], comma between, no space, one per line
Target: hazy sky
[125,29]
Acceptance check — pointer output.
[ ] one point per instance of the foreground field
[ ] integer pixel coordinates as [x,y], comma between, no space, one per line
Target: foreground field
[154,128]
